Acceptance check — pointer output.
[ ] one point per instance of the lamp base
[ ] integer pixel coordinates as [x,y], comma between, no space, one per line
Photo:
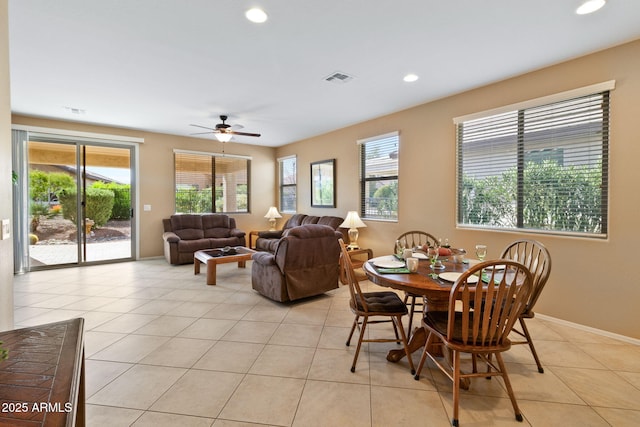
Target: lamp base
[353,239]
[272,224]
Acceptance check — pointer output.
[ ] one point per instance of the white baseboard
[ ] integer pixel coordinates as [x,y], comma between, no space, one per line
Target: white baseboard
[590,329]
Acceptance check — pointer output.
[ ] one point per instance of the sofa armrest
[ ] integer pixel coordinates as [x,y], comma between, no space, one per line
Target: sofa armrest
[236,232]
[276,234]
[170,236]
[264,258]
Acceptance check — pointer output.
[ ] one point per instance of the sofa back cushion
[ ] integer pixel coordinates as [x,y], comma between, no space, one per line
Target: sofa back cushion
[216,225]
[332,221]
[294,221]
[310,219]
[304,246]
[187,226]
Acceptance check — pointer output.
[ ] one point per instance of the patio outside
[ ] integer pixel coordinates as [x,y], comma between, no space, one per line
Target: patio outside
[57,242]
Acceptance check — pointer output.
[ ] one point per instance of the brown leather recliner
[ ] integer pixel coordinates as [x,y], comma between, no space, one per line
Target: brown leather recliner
[305,263]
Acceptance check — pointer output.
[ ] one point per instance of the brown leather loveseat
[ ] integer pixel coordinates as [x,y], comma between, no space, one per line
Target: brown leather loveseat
[184,234]
[305,264]
[268,240]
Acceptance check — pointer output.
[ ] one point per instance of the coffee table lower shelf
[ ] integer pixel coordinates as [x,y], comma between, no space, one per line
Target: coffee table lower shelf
[213,257]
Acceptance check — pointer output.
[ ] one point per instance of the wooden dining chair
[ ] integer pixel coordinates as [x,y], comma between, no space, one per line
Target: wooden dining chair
[535,256]
[415,239]
[373,304]
[502,293]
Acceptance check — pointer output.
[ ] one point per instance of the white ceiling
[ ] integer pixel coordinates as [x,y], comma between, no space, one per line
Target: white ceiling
[160,65]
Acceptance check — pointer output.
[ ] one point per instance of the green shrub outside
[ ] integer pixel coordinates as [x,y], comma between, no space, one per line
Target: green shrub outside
[122,199]
[193,201]
[42,185]
[99,205]
[556,197]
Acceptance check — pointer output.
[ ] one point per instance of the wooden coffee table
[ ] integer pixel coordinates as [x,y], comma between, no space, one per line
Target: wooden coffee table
[213,257]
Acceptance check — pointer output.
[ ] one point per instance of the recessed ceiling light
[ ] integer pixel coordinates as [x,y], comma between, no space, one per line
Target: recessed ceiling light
[410,78]
[590,6]
[256,15]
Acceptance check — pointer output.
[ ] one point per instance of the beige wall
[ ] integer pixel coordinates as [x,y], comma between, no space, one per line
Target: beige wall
[591,282]
[6,246]
[156,176]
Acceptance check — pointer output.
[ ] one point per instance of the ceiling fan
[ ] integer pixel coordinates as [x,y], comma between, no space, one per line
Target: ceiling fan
[224,131]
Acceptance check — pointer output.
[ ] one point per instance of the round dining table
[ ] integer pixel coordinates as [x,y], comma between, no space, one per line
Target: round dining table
[425,282]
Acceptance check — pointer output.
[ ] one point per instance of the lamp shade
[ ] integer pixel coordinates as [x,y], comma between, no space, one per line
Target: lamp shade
[352,221]
[273,213]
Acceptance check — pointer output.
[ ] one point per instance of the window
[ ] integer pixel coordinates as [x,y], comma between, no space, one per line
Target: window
[288,187]
[211,183]
[539,168]
[379,177]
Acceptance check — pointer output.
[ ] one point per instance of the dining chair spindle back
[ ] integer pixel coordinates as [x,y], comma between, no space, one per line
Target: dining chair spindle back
[366,305]
[415,239]
[535,256]
[501,288]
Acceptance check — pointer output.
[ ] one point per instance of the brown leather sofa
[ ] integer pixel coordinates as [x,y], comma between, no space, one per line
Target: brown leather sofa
[268,240]
[304,264]
[184,234]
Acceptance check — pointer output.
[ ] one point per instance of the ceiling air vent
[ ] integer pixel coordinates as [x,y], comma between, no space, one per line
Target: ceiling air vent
[73,110]
[338,77]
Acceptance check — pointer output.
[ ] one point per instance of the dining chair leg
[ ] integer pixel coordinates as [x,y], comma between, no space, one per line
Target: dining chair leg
[395,330]
[360,338]
[507,383]
[424,356]
[488,356]
[527,336]
[353,328]
[456,387]
[405,344]
[411,312]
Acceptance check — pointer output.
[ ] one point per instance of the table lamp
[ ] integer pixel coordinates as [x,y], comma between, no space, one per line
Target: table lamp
[272,214]
[353,222]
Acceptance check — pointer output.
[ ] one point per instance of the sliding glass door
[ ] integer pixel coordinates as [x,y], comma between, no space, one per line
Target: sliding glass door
[78,202]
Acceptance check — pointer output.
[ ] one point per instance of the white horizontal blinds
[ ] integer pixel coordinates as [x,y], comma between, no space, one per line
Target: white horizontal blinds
[379,177]
[232,184]
[538,168]
[194,183]
[207,183]
[288,183]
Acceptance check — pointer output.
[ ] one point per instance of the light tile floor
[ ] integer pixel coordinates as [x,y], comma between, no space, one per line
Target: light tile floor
[164,349]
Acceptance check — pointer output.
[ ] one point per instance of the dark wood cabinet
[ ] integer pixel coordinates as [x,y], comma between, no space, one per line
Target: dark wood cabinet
[42,381]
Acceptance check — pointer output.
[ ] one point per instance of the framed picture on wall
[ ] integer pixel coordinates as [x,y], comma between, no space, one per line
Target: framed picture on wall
[323,184]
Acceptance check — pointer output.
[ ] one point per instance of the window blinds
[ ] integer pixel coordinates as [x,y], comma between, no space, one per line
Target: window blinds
[209,183]
[539,168]
[379,177]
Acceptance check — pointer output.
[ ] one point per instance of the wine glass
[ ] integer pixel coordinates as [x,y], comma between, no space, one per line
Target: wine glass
[433,253]
[481,252]
[401,245]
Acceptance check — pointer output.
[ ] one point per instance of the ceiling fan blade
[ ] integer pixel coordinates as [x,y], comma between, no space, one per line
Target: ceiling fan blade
[204,127]
[202,133]
[243,133]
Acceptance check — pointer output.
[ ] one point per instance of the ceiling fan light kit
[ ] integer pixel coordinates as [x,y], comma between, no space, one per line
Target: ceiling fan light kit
[223,131]
[223,137]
